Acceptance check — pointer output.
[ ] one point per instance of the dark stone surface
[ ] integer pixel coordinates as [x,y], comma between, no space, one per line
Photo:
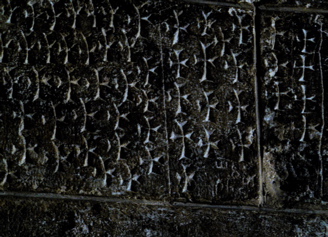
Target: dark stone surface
[157,100]
[35,217]
[208,72]
[82,103]
[294,55]
[304,4]
[112,98]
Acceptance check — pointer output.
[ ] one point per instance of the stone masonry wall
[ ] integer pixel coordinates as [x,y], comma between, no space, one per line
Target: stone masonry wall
[163,118]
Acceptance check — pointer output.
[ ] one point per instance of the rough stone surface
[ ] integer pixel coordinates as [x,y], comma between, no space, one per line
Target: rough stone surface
[123,99]
[302,5]
[162,100]
[82,108]
[293,51]
[209,85]
[77,218]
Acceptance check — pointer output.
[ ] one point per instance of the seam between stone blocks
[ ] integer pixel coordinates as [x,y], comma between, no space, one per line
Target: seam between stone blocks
[168,168]
[292,9]
[227,208]
[256,66]
[257,7]
[223,4]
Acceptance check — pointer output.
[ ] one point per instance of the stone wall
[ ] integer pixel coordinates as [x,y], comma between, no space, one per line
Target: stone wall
[163,118]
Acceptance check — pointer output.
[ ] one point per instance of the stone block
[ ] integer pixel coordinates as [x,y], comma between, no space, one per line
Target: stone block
[120,98]
[294,60]
[209,87]
[82,106]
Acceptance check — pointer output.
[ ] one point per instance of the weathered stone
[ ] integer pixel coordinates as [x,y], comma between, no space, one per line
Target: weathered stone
[209,76]
[35,217]
[293,52]
[240,3]
[306,5]
[82,108]
[107,98]
[159,100]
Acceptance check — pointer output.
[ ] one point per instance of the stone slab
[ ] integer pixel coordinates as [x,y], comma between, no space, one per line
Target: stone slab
[209,87]
[111,98]
[82,106]
[294,61]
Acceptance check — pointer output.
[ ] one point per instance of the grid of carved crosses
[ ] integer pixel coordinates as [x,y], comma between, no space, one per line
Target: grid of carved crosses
[294,90]
[119,98]
[82,102]
[208,55]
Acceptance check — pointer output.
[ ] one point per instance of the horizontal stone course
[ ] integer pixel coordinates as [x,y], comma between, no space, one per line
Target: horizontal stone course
[39,217]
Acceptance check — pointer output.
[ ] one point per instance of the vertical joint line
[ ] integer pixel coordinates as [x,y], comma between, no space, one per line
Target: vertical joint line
[322,111]
[165,114]
[256,65]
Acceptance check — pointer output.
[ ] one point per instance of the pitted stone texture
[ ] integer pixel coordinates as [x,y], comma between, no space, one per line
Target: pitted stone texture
[294,55]
[241,3]
[303,4]
[208,68]
[75,32]
[35,217]
[84,108]
[82,102]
